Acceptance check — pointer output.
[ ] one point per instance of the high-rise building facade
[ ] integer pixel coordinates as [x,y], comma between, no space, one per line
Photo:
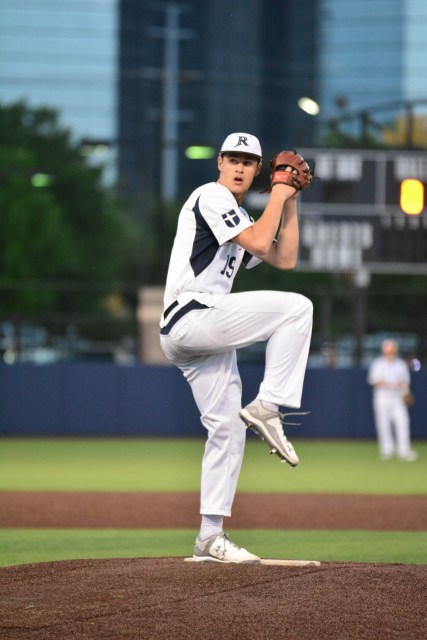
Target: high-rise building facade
[63,55]
[190,73]
[372,59]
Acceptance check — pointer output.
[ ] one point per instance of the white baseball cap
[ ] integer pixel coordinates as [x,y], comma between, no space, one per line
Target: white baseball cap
[242,143]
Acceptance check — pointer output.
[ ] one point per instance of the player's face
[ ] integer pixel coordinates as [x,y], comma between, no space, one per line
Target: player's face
[389,349]
[237,171]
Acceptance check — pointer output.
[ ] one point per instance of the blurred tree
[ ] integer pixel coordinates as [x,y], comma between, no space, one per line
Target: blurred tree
[58,223]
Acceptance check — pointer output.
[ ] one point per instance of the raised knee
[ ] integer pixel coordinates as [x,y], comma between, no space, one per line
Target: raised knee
[306,305]
[309,306]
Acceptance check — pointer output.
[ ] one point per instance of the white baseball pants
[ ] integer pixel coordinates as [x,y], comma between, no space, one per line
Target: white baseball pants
[203,345]
[392,424]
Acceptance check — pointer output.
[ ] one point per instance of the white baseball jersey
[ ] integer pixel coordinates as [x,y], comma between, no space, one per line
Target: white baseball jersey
[204,260]
[390,373]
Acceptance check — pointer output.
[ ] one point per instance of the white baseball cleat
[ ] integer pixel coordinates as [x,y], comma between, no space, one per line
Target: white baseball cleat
[268,426]
[219,548]
[411,456]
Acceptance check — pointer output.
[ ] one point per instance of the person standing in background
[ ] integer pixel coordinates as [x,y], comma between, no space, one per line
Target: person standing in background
[390,378]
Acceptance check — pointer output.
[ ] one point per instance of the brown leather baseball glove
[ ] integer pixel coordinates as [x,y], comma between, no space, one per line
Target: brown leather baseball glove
[288,167]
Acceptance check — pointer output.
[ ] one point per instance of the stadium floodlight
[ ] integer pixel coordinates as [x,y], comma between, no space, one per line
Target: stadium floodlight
[41,180]
[198,152]
[309,106]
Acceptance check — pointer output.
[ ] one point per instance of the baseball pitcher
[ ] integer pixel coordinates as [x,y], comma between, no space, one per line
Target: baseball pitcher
[203,323]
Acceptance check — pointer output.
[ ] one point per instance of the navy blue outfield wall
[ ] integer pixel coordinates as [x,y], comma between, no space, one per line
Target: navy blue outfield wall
[103,399]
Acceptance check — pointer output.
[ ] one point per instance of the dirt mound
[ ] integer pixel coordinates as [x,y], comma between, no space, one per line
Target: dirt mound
[168,598]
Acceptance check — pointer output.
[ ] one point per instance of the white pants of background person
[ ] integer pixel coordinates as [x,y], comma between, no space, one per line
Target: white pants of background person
[203,345]
[392,423]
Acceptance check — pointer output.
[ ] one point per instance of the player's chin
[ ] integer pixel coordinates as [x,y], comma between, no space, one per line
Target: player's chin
[239,189]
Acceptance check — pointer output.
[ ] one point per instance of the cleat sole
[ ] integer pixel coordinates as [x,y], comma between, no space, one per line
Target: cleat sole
[250,426]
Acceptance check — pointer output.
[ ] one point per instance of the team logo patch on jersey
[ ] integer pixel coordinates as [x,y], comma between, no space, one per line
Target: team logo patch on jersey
[231,218]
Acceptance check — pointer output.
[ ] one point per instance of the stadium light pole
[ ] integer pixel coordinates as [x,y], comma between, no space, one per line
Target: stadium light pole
[170,105]
[171,34]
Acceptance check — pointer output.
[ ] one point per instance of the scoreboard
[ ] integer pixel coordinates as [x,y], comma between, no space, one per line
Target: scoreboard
[353,216]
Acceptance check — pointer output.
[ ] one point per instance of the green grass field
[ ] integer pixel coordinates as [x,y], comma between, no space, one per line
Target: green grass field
[174,465]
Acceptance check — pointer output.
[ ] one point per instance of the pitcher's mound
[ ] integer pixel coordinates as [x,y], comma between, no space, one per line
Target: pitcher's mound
[160,598]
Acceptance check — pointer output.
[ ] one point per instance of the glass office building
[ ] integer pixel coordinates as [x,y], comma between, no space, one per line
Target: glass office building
[372,57]
[63,54]
[238,67]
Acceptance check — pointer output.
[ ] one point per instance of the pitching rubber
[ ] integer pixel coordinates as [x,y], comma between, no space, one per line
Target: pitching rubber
[280,563]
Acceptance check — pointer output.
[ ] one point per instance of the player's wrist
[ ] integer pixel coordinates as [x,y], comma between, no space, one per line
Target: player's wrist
[283,190]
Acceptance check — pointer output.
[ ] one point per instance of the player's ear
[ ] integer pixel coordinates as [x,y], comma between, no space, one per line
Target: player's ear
[219,162]
[258,171]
